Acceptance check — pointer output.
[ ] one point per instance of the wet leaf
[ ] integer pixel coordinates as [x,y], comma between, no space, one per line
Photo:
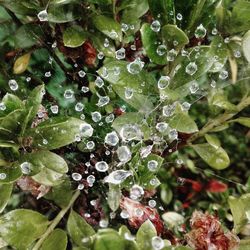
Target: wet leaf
[5,193]
[245,121]
[78,228]
[114,197]
[56,240]
[74,36]
[20,227]
[215,157]
[246,46]
[213,140]
[21,64]
[12,173]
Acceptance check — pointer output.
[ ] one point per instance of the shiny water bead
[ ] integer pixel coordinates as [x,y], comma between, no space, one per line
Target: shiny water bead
[132,47]
[237,54]
[152,165]
[43,16]
[163,82]
[106,43]
[157,243]
[110,118]
[136,192]
[120,54]
[130,132]
[100,55]
[139,212]
[82,117]
[131,26]
[45,142]
[155,26]
[3,176]
[171,55]
[113,34]
[80,186]
[135,67]
[47,74]
[223,75]
[214,31]
[99,82]
[85,89]
[124,153]
[124,214]
[79,107]
[227,40]
[153,182]
[118,176]
[68,93]
[200,31]
[161,127]
[25,167]
[101,166]
[173,134]
[103,100]
[76,176]
[191,68]
[86,130]
[91,180]
[103,223]
[152,203]
[96,116]
[28,79]
[124,27]
[2,106]
[184,52]
[168,110]
[179,161]
[161,50]
[54,45]
[90,145]
[179,16]
[111,138]
[213,84]
[145,151]
[185,106]
[81,73]
[104,72]
[194,87]
[13,84]
[128,93]
[77,137]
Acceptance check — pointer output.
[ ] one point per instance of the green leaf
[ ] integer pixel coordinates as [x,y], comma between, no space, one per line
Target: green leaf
[246,45]
[44,159]
[245,121]
[240,210]
[21,227]
[12,173]
[149,40]
[145,234]
[108,26]
[114,197]
[171,34]
[78,228]
[5,193]
[173,219]
[55,132]
[56,240]
[21,64]
[213,140]
[74,36]
[215,157]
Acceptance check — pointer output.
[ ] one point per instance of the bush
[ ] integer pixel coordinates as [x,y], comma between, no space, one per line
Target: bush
[124,124]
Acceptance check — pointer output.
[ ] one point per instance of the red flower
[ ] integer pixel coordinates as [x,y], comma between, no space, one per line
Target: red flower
[139,213]
[215,186]
[208,234]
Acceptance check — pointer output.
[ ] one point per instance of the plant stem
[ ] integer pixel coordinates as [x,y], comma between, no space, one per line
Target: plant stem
[220,120]
[56,221]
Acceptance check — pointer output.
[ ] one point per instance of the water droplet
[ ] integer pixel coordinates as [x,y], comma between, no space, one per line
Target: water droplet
[129,93]
[85,89]
[223,75]
[45,142]
[43,16]
[113,34]
[194,87]
[191,68]
[173,134]
[103,223]
[168,110]
[90,145]
[139,212]
[214,31]
[103,100]
[106,43]
[163,82]
[54,109]
[179,16]
[79,107]
[162,127]
[100,55]
[237,54]
[152,203]
[157,243]
[120,54]
[47,74]
[86,130]
[117,177]
[124,154]
[200,31]
[130,132]
[2,106]
[91,180]
[101,166]
[25,167]
[81,73]
[80,186]
[135,67]
[110,118]
[161,50]
[213,84]
[136,192]
[13,84]
[111,138]
[3,176]
[155,26]
[171,55]
[68,93]
[124,27]
[152,165]
[76,176]
[99,82]
[124,214]
[96,116]
[145,151]
[185,106]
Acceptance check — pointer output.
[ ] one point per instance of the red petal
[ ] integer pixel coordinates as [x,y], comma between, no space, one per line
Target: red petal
[215,186]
